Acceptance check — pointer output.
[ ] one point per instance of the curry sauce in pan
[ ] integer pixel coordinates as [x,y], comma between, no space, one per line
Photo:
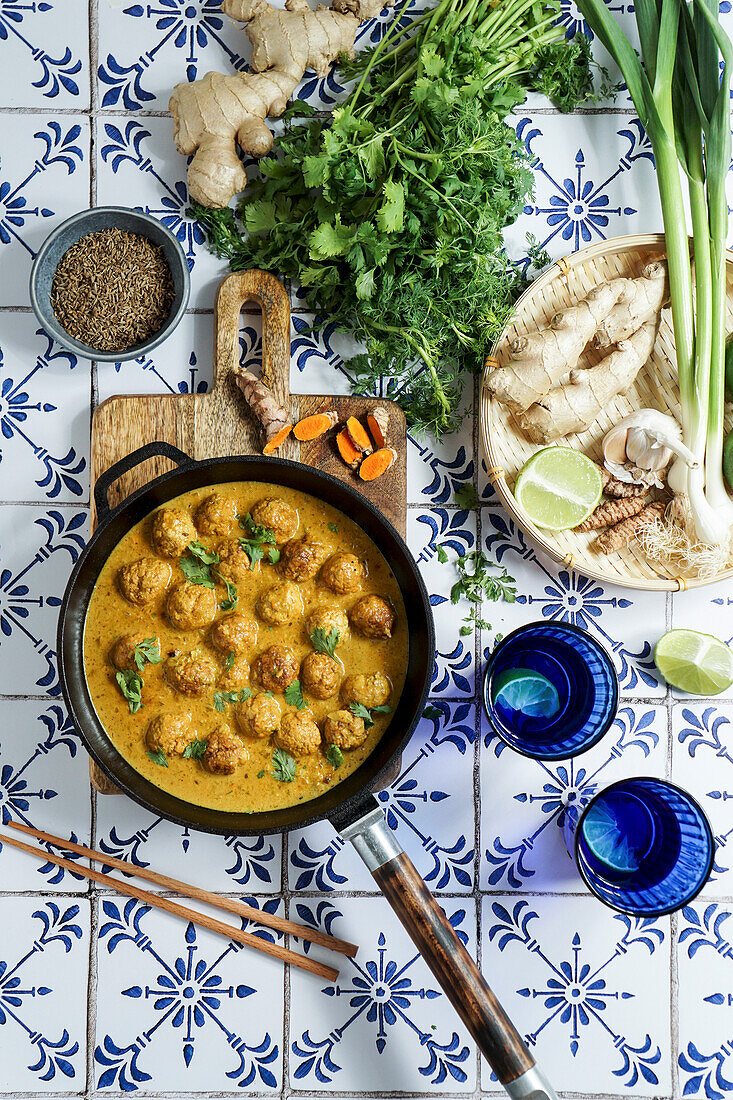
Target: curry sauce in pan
[245,646]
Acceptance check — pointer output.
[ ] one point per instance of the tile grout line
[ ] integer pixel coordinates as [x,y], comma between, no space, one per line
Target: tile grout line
[476,892]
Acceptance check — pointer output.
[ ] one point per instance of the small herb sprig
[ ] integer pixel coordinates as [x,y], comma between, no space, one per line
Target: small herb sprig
[366,713]
[293,695]
[325,643]
[131,686]
[197,566]
[148,650]
[283,766]
[334,756]
[259,539]
[194,750]
[221,698]
[158,757]
[476,582]
[231,598]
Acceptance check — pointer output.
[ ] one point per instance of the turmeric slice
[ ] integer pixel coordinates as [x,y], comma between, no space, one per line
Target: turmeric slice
[350,454]
[359,436]
[378,424]
[311,427]
[377,464]
[612,512]
[615,538]
[272,417]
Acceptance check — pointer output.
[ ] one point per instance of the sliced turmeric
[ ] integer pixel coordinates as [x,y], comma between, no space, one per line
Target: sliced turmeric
[615,538]
[311,427]
[378,424]
[350,454]
[272,417]
[377,464]
[612,512]
[359,436]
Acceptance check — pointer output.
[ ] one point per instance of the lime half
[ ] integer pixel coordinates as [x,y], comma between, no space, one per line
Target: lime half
[558,488]
[526,691]
[608,841]
[697,663]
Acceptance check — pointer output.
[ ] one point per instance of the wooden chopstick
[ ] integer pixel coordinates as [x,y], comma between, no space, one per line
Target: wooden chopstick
[231,905]
[201,919]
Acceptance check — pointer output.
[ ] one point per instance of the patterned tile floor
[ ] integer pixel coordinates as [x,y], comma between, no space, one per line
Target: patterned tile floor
[99,996]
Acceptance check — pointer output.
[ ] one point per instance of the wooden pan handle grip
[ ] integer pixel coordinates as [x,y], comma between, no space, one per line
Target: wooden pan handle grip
[461,980]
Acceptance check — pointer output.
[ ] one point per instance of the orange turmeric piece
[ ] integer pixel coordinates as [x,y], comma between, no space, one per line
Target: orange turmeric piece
[271,416]
[350,454]
[359,436]
[378,424]
[311,427]
[377,464]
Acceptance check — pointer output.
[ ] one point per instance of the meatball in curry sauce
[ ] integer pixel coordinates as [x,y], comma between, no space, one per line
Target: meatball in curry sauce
[245,646]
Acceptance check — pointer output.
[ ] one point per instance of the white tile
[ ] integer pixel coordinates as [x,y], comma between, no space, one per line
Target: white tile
[44,963]
[44,179]
[44,783]
[587,988]
[182,1009]
[45,55]
[384,1025]
[702,763]
[705,961]
[45,398]
[524,802]
[38,547]
[425,806]
[181,364]
[627,623]
[436,468]
[706,609]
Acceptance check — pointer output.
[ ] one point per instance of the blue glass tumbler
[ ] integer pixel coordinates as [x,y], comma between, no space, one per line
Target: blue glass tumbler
[550,690]
[642,845]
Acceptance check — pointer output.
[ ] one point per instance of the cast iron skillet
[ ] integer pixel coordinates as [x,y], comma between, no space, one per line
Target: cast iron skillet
[349,805]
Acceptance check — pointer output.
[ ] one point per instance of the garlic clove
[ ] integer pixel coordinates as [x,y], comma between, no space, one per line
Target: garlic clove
[641,445]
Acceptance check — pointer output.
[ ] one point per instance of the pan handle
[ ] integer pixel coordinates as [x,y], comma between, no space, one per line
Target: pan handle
[462,981]
[105,480]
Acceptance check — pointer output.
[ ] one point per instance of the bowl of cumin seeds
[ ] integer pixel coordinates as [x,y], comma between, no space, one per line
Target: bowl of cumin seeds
[110,283]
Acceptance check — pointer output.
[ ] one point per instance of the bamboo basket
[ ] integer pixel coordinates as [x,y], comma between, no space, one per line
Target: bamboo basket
[507,448]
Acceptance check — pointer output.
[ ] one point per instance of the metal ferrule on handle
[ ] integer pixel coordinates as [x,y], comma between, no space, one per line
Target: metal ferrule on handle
[462,981]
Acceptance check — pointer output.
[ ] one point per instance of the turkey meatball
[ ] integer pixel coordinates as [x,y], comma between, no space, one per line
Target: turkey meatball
[122,653]
[276,668]
[191,673]
[372,617]
[320,675]
[276,516]
[191,606]
[233,561]
[300,559]
[216,515]
[233,634]
[258,716]
[298,733]
[173,529]
[224,751]
[343,573]
[344,729]
[236,677]
[329,617]
[370,689]
[143,581]
[280,604]
[170,734]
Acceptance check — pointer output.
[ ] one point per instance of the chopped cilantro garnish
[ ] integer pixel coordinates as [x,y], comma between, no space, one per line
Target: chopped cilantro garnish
[131,686]
[221,698]
[361,712]
[195,750]
[466,496]
[325,643]
[294,696]
[283,766]
[229,660]
[158,758]
[147,650]
[334,756]
[334,528]
[257,540]
[231,601]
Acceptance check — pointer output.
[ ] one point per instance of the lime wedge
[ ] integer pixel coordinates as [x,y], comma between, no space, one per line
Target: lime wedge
[526,691]
[606,840]
[558,488]
[697,663]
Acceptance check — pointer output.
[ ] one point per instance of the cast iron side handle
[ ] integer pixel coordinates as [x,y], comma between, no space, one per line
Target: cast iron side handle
[129,462]
[462,981]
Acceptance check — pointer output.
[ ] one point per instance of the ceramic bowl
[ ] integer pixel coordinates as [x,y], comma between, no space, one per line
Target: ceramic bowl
[91,221]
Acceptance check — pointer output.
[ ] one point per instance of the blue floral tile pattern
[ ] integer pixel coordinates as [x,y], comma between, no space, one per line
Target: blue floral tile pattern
[705,1060]
[45,50]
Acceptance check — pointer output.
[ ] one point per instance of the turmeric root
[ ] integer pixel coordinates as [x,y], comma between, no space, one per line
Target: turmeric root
[539,360]
[575,406]
[377,464]
[641,300]
[378,424]
[272,418]
[358,436]
[612,487]
[612,512]
[615,538]
[212,115]
[350,454]
[311,427]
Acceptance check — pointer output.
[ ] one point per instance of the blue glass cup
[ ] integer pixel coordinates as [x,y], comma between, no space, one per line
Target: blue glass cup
[550,690]
[643,846]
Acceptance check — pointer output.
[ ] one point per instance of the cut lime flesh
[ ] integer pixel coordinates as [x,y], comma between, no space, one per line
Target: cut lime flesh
[558,488]
[607,841]
[527,692]
[696,663]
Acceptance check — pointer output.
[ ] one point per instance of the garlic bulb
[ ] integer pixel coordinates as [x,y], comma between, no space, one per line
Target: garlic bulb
[639,448]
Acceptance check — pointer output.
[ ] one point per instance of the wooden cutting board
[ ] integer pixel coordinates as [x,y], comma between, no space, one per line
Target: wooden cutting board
[218,423]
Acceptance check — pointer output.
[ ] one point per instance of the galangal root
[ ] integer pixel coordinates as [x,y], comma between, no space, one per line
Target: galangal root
[215,114]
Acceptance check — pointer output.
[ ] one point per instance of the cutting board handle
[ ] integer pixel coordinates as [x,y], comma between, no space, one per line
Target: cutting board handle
[272,298]
[107,479]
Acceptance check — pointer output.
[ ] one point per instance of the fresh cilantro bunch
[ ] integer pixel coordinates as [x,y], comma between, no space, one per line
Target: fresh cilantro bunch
[390,213]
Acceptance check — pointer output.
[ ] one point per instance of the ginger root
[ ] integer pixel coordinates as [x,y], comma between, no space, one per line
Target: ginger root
[615,538]
[576,405]
[212,115]
[611,513]
[272,418]
[641,300]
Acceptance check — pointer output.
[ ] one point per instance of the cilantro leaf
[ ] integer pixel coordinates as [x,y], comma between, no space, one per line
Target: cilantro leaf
[194,750]
[196,572]
[131,686]
[333,528]
[231,599]
[229,661]
[147,650]
[221,698]
[294,696]
[432,712]
[259,539]
[198,550]
[283,766]
[157,757]
[334,756]
[325,643]
[361,712]
[466,496]
[441,554]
